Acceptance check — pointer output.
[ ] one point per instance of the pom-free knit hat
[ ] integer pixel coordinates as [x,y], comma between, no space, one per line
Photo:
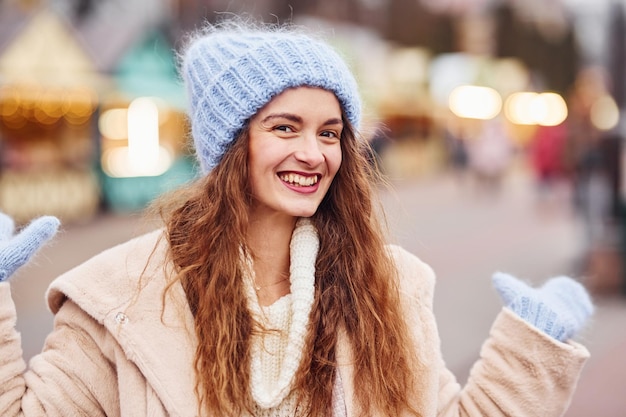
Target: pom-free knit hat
[230,74]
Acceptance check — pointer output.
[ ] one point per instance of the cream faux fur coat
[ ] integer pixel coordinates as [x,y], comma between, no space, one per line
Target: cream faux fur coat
[115,351]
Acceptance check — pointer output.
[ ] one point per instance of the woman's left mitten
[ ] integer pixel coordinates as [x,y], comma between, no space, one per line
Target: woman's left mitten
[560,308]
[17,249]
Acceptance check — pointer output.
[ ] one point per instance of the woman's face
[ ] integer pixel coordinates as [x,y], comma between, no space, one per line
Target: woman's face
[294,152]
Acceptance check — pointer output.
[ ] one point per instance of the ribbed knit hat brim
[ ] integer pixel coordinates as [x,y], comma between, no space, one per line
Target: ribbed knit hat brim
[231,75]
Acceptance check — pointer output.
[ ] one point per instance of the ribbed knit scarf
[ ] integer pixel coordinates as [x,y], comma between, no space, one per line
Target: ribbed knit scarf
[304,247]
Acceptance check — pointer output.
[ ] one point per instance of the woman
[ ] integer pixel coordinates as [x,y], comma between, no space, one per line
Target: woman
[270,290]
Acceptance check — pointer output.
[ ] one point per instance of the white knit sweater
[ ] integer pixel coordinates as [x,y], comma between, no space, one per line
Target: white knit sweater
[277,353]
[271,361]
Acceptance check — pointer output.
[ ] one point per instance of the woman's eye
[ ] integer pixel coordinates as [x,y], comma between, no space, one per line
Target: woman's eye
[330,134]
[284,128]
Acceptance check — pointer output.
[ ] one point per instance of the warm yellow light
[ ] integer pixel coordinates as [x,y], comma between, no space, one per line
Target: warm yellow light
[85,97]
[517,108]
[113,124]
[117,163]
[10,102]
[474,102]
[528,108]
[43,117]
[9,106]
[143,134]
[553,109]
[15,121]
[604,113]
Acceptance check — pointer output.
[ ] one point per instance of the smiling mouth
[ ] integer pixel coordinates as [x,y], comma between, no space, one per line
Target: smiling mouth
[299,180]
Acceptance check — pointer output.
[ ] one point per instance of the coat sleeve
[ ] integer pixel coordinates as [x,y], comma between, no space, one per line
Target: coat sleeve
[521,372]
[65,379]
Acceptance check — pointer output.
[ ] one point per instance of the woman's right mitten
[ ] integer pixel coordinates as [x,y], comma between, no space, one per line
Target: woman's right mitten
[17,249]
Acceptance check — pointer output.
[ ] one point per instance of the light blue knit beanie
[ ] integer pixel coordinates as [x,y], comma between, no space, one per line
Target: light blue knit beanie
[231,72]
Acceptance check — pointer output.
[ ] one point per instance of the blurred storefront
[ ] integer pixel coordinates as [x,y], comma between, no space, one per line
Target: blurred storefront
[48,95]
[74,139]
[142,128]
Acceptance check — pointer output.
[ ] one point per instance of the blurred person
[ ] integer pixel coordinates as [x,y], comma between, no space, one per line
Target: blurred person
[547,152]
[593,158]
[489,154]
[270,290]
[455,140]
[596,183]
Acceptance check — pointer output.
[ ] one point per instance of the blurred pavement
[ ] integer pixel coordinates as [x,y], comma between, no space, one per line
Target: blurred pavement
[466,233]
[463,232]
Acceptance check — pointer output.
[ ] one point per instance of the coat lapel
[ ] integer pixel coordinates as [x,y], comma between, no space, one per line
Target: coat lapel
[162,344]
[120,291]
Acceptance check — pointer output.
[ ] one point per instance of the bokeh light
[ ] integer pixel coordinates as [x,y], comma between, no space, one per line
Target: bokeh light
[530,108]
[475,102]
[604,113]
[113,124]
[139,124]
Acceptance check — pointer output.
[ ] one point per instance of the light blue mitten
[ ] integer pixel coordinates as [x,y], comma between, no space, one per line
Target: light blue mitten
[16,250]
[559,308]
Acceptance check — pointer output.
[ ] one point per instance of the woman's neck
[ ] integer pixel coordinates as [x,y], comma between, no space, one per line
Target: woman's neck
[269,240]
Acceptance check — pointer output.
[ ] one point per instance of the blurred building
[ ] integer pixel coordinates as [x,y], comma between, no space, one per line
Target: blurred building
[69,74]
[75,75]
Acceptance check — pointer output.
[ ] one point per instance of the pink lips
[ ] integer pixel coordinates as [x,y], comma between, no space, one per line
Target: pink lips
[303,189]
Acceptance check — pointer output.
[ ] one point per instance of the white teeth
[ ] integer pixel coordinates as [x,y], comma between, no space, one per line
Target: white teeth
[299,180]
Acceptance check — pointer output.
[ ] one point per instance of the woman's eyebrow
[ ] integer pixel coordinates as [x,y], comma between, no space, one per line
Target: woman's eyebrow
[289,116]
[333,121]
[297,119]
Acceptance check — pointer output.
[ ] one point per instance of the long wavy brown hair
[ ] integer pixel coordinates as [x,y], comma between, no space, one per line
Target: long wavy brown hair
[355,289]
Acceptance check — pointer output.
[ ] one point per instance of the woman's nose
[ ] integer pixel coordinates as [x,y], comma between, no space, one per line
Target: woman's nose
[309,150]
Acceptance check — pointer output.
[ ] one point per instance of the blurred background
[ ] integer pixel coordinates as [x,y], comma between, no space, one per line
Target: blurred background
[499,123]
